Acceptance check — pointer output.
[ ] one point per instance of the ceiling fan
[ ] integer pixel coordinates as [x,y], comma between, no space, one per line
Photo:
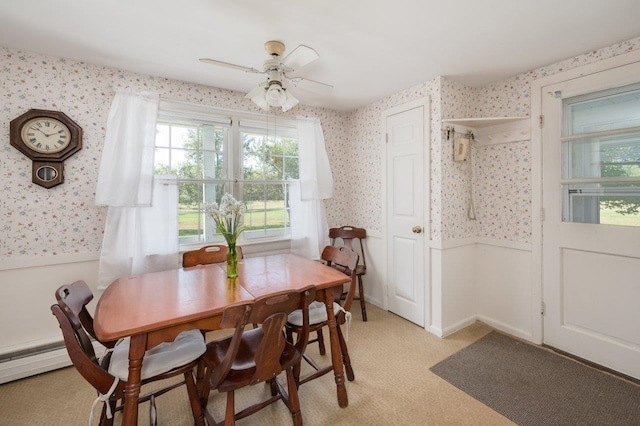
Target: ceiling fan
[277,69]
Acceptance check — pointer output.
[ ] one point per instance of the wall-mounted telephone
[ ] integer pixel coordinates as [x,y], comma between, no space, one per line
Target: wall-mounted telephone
[460,149]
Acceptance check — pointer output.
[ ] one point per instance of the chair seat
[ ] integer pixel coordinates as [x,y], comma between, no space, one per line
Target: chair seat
[361,270]
[187,347]
[317,314]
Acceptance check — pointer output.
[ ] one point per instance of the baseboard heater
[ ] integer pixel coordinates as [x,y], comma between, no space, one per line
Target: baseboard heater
[41,359]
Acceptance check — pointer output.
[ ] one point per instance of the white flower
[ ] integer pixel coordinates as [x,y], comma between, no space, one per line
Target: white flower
[228,217]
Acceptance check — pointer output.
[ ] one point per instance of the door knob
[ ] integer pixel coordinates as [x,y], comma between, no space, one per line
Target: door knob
[416,229]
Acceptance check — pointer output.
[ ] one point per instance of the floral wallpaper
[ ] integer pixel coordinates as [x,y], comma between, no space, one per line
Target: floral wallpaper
[64,220]
[366,149]
[501,174]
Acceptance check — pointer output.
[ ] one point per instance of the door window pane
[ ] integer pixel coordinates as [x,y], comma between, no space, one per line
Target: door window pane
[603,203]
[601,157]
[612,109]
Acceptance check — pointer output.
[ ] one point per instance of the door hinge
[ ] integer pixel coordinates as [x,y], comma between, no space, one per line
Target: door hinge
[386,137]
[543,308]
[541,121]
[542,215]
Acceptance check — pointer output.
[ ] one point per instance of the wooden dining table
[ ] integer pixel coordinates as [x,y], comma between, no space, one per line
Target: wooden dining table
[155,307]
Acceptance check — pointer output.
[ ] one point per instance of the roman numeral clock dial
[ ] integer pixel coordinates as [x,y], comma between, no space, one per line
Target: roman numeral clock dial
[46,135]
[47,138]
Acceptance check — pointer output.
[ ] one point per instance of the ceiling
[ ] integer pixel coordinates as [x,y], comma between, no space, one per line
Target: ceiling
[368,48]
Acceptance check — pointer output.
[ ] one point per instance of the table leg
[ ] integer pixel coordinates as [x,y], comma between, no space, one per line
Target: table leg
[336,353]
[132,390]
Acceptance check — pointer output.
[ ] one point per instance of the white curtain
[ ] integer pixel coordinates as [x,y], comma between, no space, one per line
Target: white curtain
[309,229]
[140,233]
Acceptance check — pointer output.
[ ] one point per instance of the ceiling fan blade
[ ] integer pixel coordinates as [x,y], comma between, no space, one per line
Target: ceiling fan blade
[228,65]
[289,103]
[256,91]
[310,85]
[300,56]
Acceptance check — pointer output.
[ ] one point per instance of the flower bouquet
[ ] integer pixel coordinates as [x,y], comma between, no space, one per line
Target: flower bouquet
[228,217]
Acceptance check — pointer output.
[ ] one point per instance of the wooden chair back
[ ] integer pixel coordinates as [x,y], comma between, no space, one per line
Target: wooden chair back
[83,356]
[349,234]
[259,354]
[233,317]
[344,260]
[73,299]
[214,253]
[271,313]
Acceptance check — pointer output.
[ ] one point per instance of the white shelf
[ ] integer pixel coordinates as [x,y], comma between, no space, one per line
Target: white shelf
[492,131]
[479,123]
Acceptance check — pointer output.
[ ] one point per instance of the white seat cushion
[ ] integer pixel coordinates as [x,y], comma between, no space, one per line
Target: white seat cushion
[317,313]
[187,346]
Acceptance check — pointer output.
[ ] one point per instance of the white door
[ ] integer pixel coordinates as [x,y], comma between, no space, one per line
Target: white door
[405,214]
[591,229]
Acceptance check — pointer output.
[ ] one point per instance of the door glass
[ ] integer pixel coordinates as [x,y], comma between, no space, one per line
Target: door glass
[601,157]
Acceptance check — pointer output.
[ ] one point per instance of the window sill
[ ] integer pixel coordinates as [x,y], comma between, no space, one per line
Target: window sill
[252,248]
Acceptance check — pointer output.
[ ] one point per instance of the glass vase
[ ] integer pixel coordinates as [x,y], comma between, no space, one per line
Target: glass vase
[232,261]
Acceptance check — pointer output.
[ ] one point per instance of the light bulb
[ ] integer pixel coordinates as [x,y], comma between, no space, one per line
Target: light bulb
[275,95]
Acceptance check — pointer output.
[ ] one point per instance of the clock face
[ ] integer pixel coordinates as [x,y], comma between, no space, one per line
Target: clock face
[45,135]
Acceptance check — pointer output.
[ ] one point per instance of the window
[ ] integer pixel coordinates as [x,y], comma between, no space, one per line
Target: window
[212,154]
[601,157]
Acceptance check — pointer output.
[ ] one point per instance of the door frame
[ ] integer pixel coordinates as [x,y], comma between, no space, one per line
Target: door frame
[537,168]
[423,102]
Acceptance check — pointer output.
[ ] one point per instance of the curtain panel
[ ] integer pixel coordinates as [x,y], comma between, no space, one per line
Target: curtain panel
[141,232]
[309,228]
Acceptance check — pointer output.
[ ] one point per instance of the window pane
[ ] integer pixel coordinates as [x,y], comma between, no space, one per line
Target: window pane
[291,169]
[290,146]
[609,156]
[162,135]
[253,155]
[190,220]
[607,110]
[612,161]
[193,224]
[184,137]
[266,215]
[163,162]
[213,144]
[603,203]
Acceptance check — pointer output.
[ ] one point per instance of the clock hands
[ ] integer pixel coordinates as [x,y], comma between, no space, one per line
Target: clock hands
[35,128]
[47,135]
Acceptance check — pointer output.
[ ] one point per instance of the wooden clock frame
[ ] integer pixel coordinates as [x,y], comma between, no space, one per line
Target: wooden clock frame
[47,168]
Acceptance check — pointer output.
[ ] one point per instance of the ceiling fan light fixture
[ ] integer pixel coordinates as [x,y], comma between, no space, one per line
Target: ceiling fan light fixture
[276,95]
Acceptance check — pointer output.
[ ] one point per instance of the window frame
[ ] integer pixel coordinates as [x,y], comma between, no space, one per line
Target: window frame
[174,112]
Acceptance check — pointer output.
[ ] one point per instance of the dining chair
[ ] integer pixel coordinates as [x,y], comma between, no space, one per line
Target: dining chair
[109,374]
[259,355]
[214,253]
[345,260]
[349,234]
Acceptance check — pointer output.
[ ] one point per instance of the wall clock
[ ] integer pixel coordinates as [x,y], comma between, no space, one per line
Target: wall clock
[47,138]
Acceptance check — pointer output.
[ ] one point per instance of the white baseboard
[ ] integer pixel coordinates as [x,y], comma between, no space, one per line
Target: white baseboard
[458,326]
[39,363]
[436,331]
[508,329]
